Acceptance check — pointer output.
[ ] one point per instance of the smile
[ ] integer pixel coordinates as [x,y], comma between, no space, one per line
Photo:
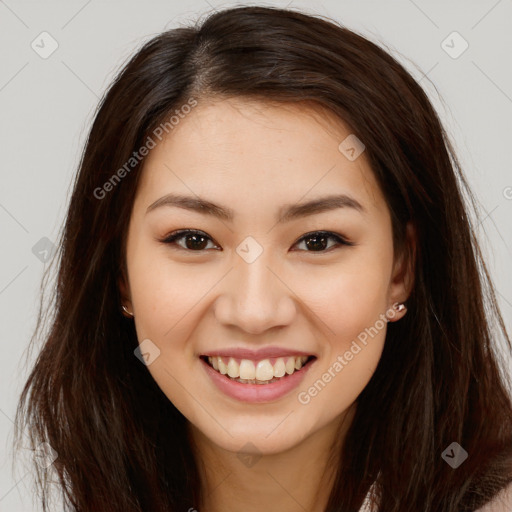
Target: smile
[264,371]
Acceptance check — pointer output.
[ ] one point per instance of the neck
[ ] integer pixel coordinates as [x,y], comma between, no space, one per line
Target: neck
[295,480]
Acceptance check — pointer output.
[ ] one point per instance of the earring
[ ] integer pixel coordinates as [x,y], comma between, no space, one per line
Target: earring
[399,306]
[127,313]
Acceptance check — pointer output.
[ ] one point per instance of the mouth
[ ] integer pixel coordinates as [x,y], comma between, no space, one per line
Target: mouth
[264,371]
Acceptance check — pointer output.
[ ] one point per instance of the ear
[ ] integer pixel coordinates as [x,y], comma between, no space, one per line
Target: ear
[124,290]
[402,280]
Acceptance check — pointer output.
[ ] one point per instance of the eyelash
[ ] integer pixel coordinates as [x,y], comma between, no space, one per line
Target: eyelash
[176,235]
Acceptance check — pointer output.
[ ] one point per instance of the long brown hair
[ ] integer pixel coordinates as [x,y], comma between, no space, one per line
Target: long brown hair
[121,444]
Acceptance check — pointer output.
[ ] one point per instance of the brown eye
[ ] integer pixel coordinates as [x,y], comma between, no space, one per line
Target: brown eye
[317,241]
[194,240]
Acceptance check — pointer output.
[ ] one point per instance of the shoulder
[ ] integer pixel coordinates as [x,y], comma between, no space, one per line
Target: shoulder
[502,502]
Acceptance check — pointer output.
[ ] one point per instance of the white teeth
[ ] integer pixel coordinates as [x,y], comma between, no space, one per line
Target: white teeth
[262,371]
[222,366]
[233,368]
[247,369]
[279,367]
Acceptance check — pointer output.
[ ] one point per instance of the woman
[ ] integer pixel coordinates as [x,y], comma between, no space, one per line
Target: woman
[270,296]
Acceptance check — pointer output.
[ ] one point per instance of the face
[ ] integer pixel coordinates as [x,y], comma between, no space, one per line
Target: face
[260,278]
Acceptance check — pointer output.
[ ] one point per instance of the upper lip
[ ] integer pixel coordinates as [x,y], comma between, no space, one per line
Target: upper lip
[257,355]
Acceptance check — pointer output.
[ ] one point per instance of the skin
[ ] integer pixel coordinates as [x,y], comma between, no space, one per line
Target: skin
[254,158]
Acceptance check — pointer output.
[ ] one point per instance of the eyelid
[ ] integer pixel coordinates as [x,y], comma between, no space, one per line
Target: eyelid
[171,237]
[343,240]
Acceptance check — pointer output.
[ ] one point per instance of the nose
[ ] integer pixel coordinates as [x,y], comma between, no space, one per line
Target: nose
[254,297]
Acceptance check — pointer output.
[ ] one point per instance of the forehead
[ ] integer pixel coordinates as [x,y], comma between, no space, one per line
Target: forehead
[247,152]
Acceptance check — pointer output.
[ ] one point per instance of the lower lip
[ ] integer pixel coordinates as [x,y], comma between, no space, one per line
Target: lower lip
[257,393]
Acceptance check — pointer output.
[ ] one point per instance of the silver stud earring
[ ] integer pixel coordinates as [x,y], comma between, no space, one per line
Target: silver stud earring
[399,306]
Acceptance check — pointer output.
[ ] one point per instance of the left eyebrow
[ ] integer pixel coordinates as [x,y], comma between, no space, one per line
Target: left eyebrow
[285,214]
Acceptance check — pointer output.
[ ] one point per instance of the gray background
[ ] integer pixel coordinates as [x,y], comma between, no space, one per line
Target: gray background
[47,105]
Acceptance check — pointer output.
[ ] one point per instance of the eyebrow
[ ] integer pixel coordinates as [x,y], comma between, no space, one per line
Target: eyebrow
[285,214]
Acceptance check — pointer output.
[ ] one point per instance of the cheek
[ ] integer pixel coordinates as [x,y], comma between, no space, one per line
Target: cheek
[357,333]
[347,363]
[164,294]
[351,305]
[165,300]
[352,297]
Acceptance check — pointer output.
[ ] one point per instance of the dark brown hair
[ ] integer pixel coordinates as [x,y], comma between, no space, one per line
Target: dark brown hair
[121,444]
